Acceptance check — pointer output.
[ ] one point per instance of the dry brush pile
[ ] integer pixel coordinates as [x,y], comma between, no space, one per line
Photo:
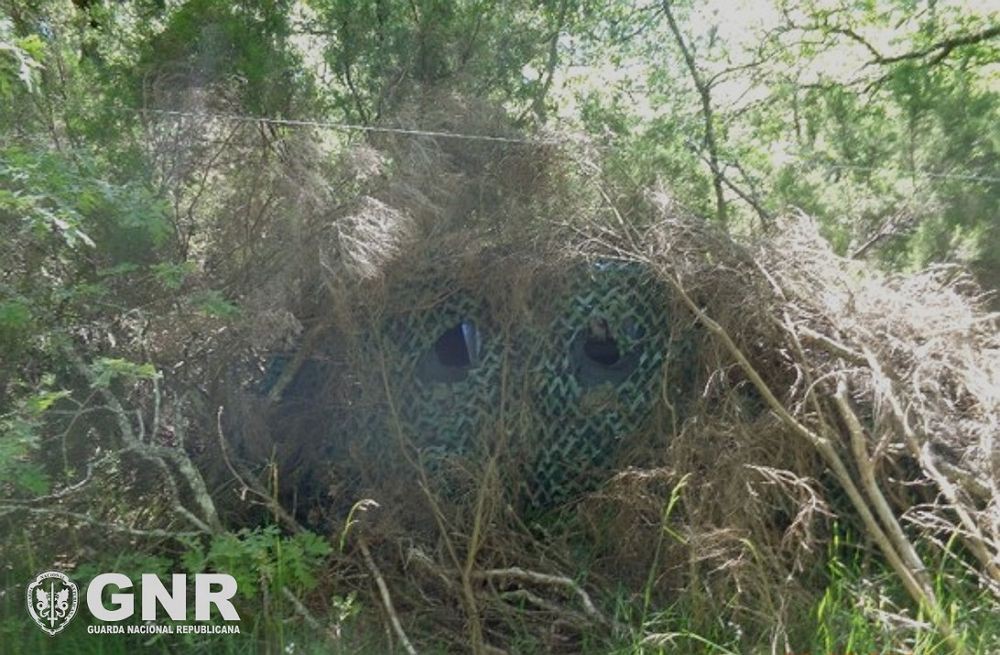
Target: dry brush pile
[825,391]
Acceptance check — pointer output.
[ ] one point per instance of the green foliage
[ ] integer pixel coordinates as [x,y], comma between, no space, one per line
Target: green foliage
[15,325]
[212,303]
[261,557]
[20,60]
[862,610]
[63,205]
[172,275]
[106,369]
[864,117]
[377,50]
[38,190]
[856,611]
[133,564]
[243,44]
[74,240]
[21,438]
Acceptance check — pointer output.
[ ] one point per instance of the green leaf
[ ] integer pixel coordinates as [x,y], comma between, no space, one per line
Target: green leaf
[31,478]
[193,558]
[40,402]
[107,369]
[172,275]
[19,439]
[119,270]
[213,303]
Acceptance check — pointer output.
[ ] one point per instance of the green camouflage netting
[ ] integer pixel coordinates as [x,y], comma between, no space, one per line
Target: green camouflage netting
[597,377]
[593,359]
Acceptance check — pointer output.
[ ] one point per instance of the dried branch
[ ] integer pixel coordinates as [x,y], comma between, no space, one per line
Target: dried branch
[547,579]
[159,456]
[974,539]
[901,564]
[104,525]
[251,485]
[383,591]
[704,90]
[914,566]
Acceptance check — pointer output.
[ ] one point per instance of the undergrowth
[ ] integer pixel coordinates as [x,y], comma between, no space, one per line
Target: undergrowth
[860,612]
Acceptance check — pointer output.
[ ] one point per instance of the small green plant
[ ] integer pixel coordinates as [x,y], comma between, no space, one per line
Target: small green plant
[20,438]
[172,275]
[261,559]
[106,369]
[20,59]
[213,303]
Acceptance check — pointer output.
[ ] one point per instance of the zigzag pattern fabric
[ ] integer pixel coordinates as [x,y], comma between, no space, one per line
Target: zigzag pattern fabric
[589,405]
[443,410]
[585,401]
[593,372]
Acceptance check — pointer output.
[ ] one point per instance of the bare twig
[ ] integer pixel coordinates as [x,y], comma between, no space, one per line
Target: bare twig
[383,591]
[548,579]
[159,455]
[104,525]
[251,485]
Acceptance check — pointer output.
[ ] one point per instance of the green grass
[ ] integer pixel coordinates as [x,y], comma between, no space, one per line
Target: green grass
[862,610]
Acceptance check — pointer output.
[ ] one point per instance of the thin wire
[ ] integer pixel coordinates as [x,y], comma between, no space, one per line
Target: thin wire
[351,127]
[944,176]
[348,127]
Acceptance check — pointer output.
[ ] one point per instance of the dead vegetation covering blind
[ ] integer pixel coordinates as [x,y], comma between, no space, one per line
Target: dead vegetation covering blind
[812,389]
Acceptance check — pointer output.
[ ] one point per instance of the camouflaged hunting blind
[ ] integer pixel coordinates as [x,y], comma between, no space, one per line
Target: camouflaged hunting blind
[594,359]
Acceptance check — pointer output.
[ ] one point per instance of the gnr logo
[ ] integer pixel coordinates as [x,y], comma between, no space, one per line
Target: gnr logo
[52,600]
[209,589]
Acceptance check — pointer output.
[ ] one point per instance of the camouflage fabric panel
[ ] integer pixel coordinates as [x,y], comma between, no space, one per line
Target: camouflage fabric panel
[446,374]
[598,377]
[593,371]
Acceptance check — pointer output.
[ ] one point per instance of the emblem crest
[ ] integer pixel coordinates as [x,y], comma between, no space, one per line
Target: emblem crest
[52,601]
